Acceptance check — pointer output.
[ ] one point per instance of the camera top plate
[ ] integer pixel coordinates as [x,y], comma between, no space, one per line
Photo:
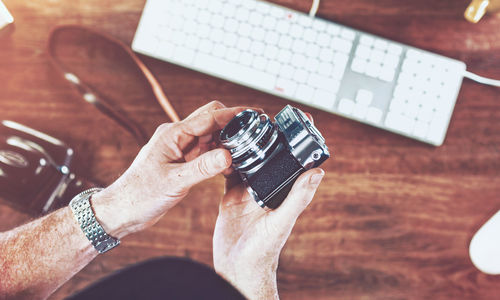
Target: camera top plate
[305,141]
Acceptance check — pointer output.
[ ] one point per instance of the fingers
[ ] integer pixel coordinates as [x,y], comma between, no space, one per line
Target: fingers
[201,168]
[310,117]
[299,197]
[209,121]
[211,106]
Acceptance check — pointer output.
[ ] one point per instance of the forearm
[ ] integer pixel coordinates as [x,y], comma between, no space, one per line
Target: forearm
[38,257]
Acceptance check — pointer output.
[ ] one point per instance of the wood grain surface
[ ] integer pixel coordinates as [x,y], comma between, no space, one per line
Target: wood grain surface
[393,218]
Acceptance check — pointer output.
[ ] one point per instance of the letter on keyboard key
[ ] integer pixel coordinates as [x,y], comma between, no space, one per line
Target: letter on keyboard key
[285,86]
[324,99]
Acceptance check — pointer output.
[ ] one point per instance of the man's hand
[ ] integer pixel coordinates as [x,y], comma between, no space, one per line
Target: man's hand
[178,156]
[248,240]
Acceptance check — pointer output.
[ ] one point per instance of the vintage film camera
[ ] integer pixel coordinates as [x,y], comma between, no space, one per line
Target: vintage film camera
[270,156]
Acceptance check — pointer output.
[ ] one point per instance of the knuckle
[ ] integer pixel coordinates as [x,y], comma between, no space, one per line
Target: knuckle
[203,167]
[163,129]
[216,104]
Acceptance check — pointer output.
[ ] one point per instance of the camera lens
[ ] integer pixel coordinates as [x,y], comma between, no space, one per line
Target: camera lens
[251,138]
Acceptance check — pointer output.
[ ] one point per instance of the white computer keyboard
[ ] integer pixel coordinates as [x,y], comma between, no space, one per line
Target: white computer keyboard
[308,60]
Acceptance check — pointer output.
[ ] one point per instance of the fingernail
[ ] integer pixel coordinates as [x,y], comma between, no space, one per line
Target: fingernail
[316,178]
[220,159]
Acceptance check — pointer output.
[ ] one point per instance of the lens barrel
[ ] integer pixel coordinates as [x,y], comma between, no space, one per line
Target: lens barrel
[251,139]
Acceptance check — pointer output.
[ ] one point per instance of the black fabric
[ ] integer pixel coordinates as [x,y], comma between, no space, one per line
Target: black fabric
[162,278]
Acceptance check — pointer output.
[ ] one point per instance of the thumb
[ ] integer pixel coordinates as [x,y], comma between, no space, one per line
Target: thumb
[203,167]
[298,199]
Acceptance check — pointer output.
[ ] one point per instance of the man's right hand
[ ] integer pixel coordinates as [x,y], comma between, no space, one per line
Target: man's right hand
[248,240]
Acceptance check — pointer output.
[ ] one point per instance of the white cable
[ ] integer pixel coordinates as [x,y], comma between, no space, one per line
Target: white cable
[481,79]
[314,8]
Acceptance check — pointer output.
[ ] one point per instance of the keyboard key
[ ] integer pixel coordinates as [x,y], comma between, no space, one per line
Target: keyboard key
[399,122]
[326,55]
[312,64]
[271,52]
[296,31]
[285,86]
[387,74]
[366,40]
[260,63]
[363,51]
[285,42]
[359,111]
[373,115]
[299,60]
[364,97]
[325,83]
[437,130]
[373,69]
[341,45]
[301,76]
[244,43]
[359,65]
[312,50]
[323,40]
[245,29]
[287,71]
[233,54]
[283,26]
[284,56]
[230,39]
[395,49]
[348,34]
[319,25]
[273,67]
[421,129]
[346,106]
[272,38]
[226,69]
[377,56]
[324,99]
[304,93]
[219,50]
[325,69]
[231,25]
[380,44]
[257,48]
[259,34]
[310,35]
[299,46]
[255,17]
[246,59]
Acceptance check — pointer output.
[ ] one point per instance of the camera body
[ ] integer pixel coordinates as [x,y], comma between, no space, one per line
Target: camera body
[270,156]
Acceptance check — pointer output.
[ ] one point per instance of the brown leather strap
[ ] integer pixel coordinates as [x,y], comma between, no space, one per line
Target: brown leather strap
[91,96]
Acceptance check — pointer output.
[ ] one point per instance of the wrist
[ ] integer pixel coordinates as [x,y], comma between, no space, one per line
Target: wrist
[253,282]
[110,215]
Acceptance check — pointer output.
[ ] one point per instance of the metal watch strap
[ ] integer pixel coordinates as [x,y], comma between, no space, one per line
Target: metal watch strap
[84,215]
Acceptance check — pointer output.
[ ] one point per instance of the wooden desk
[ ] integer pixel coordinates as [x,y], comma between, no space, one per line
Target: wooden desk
[393,217]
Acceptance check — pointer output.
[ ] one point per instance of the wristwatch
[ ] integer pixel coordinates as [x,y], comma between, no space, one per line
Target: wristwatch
[84,215]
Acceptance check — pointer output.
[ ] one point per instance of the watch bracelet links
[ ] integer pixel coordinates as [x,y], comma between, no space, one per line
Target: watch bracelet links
[84,215]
